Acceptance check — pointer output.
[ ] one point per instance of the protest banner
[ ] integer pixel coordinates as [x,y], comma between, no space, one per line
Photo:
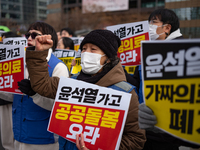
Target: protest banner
[15,41]
[77,41]
[171,86]
[90,109]
[11,67]
[1,32]
[77,68]
[131,35]
[66,56]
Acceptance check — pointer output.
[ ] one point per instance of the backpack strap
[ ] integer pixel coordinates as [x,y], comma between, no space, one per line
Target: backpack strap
[74,76]
[124,86]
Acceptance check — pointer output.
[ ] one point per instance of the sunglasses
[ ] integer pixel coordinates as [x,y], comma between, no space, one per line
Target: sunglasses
[33,35]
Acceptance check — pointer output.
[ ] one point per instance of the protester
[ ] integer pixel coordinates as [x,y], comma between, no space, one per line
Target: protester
[9,35]
[65,43]
[7,137]
[163,25]
[101,46]
[30,119]
[66,32]
[58,35]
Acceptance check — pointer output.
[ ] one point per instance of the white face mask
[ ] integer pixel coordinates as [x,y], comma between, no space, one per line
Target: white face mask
[152,31]
[90,62]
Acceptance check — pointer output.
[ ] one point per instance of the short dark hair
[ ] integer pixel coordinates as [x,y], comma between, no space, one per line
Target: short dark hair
[67,42]
[45,29]
[167,16]
[68,30]
[9,34]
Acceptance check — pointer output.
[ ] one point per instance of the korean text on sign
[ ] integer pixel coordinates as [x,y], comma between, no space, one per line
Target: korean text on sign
[66,56]
[171,80]
[11,68]
[86,108]
[15,41]
[131,35]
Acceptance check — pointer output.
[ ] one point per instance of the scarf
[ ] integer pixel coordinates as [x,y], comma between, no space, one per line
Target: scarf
[92,79]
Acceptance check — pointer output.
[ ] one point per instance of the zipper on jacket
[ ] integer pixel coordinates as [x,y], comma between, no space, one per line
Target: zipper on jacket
[22,98]
[21,117]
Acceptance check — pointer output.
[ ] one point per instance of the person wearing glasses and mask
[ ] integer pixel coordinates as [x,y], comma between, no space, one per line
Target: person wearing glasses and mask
[30,111]
[163,25]
[100,66]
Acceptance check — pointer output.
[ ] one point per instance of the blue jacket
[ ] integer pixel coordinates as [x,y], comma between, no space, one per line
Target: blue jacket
[140,92]
[67,145]
[30,121]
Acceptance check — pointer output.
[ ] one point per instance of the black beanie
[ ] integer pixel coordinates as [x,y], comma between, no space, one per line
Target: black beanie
[107,41]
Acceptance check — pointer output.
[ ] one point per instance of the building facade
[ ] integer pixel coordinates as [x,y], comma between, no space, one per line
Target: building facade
[19,14]
[54,14]
[188,12]
[138,10]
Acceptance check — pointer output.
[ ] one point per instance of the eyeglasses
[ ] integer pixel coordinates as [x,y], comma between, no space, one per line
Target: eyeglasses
[33,35]
[154,21]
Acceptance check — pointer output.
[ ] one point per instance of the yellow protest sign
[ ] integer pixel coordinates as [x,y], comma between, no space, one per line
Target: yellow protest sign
[130,69]
[67,61]
[171,86]
[66,56]
[77,68]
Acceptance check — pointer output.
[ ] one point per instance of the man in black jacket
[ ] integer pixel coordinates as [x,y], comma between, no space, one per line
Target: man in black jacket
[163,25]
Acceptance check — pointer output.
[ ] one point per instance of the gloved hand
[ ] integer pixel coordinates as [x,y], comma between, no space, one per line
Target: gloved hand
[25,87]
[146,118]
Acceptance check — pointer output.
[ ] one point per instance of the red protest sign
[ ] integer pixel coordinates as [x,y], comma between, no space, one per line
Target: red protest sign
[11,68]
[95,123]
[129,51]
[131,35]
[90,109]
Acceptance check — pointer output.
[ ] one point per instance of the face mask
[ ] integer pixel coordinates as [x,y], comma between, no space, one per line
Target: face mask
[90,62]
[152,31]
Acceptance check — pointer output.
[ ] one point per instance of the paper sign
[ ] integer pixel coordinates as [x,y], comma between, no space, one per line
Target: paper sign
[171,86]
[11,67]
[15,41]
[95,111]
[77,41]
[66,56]
[131,35]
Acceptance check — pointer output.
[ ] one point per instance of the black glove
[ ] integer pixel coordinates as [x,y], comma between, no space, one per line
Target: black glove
[25,87]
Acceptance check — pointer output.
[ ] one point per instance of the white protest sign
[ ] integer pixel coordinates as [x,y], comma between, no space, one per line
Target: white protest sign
[82,107]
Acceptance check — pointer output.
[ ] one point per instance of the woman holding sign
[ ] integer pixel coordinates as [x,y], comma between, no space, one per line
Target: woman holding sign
[100,66]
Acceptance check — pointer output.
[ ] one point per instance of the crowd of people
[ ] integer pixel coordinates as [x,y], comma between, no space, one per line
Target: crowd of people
[24,118]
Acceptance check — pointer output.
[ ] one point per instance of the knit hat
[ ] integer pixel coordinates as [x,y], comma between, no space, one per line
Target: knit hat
[107,41]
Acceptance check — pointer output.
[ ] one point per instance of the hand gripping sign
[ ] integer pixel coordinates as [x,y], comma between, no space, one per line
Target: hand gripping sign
[95,111]
[11,67]
[171,86]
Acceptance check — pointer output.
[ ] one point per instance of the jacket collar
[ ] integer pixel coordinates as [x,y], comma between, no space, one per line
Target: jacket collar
[49,54]
[174,35]
[32,48]
[115,75]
